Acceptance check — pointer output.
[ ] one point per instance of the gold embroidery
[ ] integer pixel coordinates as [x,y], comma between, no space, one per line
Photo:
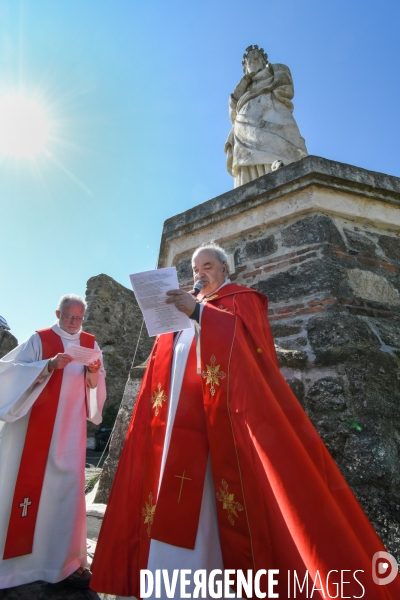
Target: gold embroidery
[222,307]
[228,502]
[148,513]
[209,298]
[182,477]
[213,375]
[158,398]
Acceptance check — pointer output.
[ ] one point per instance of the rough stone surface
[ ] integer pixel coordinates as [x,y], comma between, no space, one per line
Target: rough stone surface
[391,247]
[261,248]
[372,287]
[7,342]
[118,436]
[359,242]
[114,317]
[313,230]
[323,275]
[337,338]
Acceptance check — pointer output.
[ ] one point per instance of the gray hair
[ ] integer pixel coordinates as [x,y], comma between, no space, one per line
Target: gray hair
[220,253]
[70,298]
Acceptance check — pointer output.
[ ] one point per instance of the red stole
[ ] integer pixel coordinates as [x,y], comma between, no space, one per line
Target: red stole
[28,487]
[172,514]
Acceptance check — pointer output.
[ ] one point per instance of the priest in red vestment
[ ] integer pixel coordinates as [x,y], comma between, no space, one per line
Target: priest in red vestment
[222,469]
[45,399]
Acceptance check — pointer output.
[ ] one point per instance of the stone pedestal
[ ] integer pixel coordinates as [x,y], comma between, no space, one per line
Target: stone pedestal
[322,240]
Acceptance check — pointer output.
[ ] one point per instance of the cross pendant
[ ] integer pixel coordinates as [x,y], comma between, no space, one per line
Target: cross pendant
[24,505]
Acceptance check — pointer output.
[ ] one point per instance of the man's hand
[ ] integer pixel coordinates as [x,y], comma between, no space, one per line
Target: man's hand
[183,301]
[94,366]
[60,361]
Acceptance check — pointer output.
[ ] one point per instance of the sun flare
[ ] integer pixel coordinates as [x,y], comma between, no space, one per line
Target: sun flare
[24,127]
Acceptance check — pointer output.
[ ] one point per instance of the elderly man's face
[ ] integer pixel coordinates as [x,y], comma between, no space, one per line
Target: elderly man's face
[207,267]
[71,316]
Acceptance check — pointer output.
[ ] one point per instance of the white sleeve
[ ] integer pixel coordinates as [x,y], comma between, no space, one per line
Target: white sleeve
[22,378]
[96,393]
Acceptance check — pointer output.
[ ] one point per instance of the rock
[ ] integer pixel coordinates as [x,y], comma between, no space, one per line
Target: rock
[313,277]
[7,342]
[260,248]
[373,385]
[297,387]
[184,270]
[360,242]
[326,395]
[312,230]
[291,358]
[280,330]
[293,344]
[119,433]
[391,247]
[114,317]
[388,330]
[372,287]
[336,338]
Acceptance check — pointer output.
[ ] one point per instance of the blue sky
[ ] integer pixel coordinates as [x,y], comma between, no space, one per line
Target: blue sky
[137,94]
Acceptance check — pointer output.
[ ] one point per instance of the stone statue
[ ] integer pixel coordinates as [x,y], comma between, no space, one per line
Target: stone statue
[263,127]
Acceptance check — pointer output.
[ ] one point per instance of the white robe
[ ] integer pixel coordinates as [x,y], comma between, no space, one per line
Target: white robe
[207,551]
[59,546]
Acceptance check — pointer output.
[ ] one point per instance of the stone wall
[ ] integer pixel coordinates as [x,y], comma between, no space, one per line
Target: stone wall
[7,342]
[114,317]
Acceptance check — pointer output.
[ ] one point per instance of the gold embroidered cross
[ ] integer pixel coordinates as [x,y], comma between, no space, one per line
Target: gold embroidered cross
[228,501]
[158,398]
[148,513]
[182,477]
[213,375]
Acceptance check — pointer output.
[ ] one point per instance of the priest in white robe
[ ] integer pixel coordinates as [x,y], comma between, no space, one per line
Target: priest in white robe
[59,533]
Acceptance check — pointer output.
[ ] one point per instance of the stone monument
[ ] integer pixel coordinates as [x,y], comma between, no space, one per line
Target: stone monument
[263,127]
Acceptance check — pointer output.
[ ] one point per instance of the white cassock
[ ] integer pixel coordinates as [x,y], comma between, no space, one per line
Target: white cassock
[59,546]
[207,551]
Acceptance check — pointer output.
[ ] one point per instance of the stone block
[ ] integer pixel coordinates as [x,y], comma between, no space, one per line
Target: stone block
[336,338]
[312,230]
[261,247]
[7,342]
[296,359]
[372,287]
[374,384]
[297,387]
[391,247]
[388,330]
[326,395]
[280,330]
[313,277]
[360,242]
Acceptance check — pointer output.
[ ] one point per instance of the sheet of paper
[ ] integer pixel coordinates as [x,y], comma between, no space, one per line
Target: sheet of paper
[83,356]
[150,289]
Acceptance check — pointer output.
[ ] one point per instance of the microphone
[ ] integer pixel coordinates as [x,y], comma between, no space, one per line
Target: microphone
[197,287]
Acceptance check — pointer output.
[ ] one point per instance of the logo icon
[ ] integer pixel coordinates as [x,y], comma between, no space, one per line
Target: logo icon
[385,564]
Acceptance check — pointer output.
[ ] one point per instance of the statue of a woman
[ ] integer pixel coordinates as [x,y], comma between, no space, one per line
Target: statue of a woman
[263,127]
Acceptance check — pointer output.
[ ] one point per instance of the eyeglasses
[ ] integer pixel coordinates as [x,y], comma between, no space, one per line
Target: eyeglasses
[71,318]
